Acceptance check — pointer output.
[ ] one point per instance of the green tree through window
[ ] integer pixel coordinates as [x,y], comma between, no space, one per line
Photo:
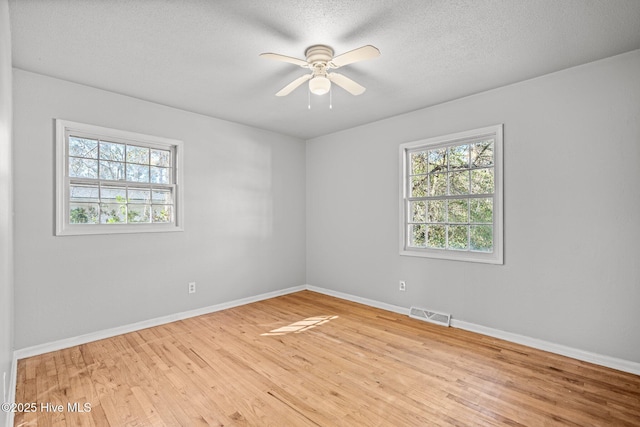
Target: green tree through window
[451,196]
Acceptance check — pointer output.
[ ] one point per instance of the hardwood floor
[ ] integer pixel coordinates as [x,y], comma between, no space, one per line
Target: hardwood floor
[308,359]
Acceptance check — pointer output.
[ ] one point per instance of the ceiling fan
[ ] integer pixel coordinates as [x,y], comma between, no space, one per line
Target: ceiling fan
[320,60]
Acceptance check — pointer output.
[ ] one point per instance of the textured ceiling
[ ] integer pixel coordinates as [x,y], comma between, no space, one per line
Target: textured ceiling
[202,55]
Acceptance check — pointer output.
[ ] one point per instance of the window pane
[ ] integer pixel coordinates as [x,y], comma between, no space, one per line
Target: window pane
[481,238]
[481,210]
[436,236]
[160,175]
[482,181]
[458,210]
[113,194]
[482,154]
[162,213]
[438,184]
[162,196]
[161,158]
[83,168]
[458,237]
[418,186]
[139,195]
[111,213]
[417,235]
[138,155]
[112,151]
[417,210]
[138,213]
[437,160]
[436,211]
[112,171]
[459,182]
[137,173]
[419,163]
[456,217]
[83,213]
[83,193]
[80,147]
[119,177]
[459,157]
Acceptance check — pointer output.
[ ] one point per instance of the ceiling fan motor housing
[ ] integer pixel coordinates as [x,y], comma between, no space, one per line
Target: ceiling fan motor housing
[318,54]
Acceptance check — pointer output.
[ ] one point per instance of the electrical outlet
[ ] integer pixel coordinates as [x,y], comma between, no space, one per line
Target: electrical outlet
[192,287]
[403,286]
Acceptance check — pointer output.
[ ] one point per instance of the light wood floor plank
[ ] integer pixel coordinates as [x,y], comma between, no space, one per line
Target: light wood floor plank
[308,359]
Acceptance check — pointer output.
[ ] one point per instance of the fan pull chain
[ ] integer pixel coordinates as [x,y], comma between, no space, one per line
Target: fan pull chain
[330,99]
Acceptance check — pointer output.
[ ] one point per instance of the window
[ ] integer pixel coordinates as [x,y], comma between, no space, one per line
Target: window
[451,196]
[112,181]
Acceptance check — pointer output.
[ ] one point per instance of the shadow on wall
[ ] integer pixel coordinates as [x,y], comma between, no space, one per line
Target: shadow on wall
[242,204]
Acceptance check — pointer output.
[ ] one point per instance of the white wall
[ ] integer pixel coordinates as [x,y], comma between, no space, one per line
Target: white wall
[244,218]
[572,201]
[572,164]
[6,207]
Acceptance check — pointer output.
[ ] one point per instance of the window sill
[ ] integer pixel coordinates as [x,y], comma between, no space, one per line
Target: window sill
[91,229]
[479,257]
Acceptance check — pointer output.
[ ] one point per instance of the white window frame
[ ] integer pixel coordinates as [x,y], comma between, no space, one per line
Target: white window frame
[495,257]
[65,128]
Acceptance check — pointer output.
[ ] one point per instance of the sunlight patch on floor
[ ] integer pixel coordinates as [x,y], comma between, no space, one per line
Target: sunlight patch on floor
[301,326]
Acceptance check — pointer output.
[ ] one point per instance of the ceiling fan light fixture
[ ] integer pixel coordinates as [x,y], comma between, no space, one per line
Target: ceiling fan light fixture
[319,85]
[320,60]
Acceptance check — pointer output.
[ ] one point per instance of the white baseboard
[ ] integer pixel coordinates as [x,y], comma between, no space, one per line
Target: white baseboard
[132,327]
[585,356]
[361,300]
[563,350]
[598,359]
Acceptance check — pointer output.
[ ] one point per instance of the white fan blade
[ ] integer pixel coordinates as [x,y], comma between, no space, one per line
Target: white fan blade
[293,85]
[346,83]
[359,54]
[284,58]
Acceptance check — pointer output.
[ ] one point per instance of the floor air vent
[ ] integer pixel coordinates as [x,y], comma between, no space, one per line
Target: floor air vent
[430,316]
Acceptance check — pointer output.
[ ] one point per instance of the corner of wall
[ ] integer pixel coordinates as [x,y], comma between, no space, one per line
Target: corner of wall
[7,360]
